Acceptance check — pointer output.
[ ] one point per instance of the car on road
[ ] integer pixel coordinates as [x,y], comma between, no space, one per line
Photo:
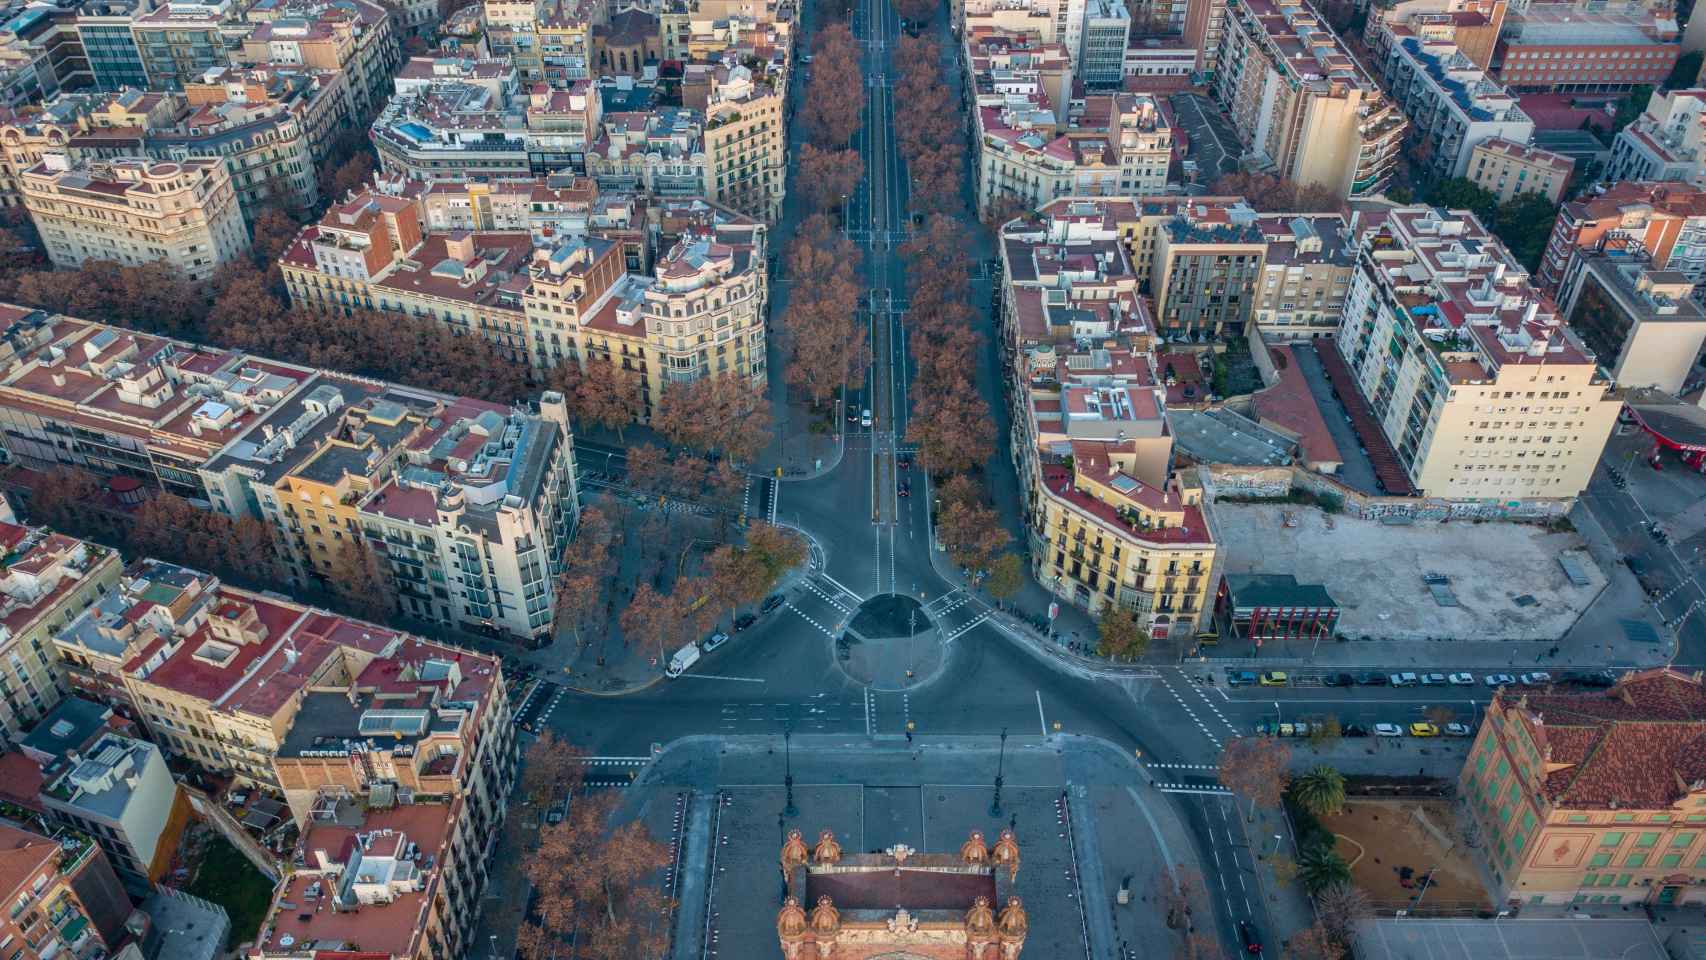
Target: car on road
[905,463]
[771,602]
[1373,680]
[1423,729]
[904,489]
[1538,678]
[1338,680]
[1252,938]
[743,621]
[1462,679]
[1432,679]
[1636,565]
[1457,730]
[1388,730]
[865,418]
[1405,679]
[1240,678]
[1499,680]
[1274,678]
[716,640]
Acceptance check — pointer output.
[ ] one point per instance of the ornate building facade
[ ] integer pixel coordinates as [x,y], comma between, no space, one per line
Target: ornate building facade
[900,904]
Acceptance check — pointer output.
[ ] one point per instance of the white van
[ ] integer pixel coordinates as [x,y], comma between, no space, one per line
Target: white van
[685,657]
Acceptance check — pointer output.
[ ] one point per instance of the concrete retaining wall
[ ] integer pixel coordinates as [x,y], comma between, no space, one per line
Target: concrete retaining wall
[1240,482]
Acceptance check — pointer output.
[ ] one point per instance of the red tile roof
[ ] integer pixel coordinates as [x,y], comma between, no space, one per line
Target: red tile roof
[1290,405]
[1639,745]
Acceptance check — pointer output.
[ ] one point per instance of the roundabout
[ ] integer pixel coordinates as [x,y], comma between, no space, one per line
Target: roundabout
[891,643]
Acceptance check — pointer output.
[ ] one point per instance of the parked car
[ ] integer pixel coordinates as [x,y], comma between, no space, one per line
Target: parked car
[1373,680]
[1388,730]
[1636,565]
[1264,728]
[1597,678]
[1354,730]
[1240,678]
[716,640]
[1288,730]
[1338,680]
[1274,678]
[1457,730]
[743,621]
[772,602]
[1462,679]
[1538,678]
[1405,679]
[1432,679]
[1423,729]
[1499,680]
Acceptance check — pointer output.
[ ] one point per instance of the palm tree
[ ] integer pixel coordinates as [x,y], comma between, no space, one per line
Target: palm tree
[1321,791]
[1320,868]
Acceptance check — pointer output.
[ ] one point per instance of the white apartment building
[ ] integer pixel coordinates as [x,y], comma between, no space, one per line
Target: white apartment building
[136,212]
[1452,104]
[1102,46]
[1301,104]
[1664,142]
[1482,389]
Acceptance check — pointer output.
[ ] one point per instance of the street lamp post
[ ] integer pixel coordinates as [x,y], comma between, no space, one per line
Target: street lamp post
[1000,765]
[788,777]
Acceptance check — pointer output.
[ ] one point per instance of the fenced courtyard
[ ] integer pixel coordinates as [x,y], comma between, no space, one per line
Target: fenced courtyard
[1394,845]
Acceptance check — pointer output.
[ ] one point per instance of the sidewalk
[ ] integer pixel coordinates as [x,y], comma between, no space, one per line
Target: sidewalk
[1288,907]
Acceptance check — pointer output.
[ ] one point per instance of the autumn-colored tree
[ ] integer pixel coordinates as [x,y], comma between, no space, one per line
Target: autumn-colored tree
[594,884]
[918,12]
[1179,891]
[1313,943]
[1255,769]
[1006,577]
[363,582]
[648,468]
[971,532]
[828,177]
[587,568]
[716,414]
[776,550]
[1119,634]
[1341,907]
[953,431]
[551,768]
[601,394]
[69,500]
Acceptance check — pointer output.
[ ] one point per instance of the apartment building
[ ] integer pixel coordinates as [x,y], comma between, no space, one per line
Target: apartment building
[544,207]
[1108,521]
[745,142]
[103,26]
[124,404]
[1507,169]
[463,123]
[152,599]
[1206,270]
[701,313]
[117,790]
[1472,26]
[1205,26]
[310,453]
[1664,142]
[46,580]
[1158,63]
[1034,145]
[1575,48]
[399,779]
[352,38]
[1665,222]
[50,916]
[1590,798]
[181,39]
[660,152]
[135,212]
[1452,104]
[1643,320]
[1306,275]
[1102,46]
[1300,103]
[1482,389]
[510,32]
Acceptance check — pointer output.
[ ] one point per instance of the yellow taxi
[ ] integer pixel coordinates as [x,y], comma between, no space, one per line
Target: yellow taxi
[1423,730]
[1274,678]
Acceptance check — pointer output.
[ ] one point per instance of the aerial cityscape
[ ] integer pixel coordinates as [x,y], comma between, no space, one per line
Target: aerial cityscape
[852,479]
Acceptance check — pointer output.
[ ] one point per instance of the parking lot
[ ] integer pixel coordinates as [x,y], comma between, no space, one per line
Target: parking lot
[1356,471]
[1501,581]
[1214,144]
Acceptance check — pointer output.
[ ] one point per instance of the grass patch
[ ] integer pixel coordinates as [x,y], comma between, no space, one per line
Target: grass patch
[227,878]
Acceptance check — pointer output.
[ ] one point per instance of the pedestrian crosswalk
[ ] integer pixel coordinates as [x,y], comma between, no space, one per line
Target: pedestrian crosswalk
[807,618]
[615,761]
[1203,788]
[1182,766]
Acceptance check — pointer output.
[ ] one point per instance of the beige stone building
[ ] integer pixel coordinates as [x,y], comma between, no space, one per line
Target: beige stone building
[46,581]
[746,143]
[1300,102]
[1478,384]
[1592,798]
[1644,321]
[136,212]
[1505,169]
[1109,522]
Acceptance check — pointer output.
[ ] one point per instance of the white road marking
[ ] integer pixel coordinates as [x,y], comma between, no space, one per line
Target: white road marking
[713,676]
[1041,720]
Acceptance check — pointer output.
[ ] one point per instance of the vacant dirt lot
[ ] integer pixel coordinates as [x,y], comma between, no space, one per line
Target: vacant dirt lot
[1375,571]
[1389,843]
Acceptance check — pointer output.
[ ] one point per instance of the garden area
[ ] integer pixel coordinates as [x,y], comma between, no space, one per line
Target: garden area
[1392,846]
[218,873]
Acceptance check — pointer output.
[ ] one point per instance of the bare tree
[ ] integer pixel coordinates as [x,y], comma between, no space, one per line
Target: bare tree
[1255,769]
